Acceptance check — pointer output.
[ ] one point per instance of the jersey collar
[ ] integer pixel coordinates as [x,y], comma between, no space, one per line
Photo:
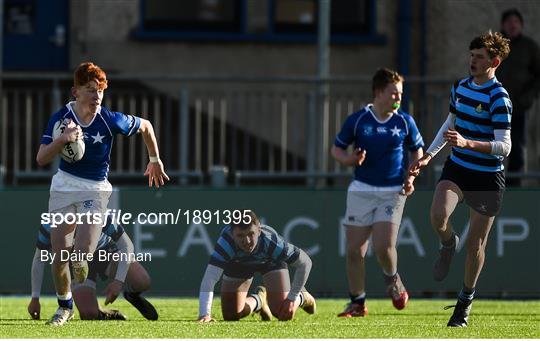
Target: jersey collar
[485,85]
[70,106]
[370,106]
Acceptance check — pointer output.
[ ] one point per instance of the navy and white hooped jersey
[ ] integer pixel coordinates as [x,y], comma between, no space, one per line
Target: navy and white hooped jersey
[479,110]
[385,144]
[98,140]
[271,248]
[109,236]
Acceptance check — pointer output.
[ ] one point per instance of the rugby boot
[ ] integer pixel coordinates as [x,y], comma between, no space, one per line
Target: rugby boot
[354,310]
[60,317]
[309,306]
[111,314]
[396,290]
[461,313]
[266,314]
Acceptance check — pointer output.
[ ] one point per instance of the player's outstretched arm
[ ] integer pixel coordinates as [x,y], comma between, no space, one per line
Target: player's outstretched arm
[155,169]
[47,152]
[408,185]
[418,165]
[342,156]
[206,292]
[438,143]
[303,267]
[34,307]
[455,139]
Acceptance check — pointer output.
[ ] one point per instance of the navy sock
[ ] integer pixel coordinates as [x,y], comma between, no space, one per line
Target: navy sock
[466,294]
[389,279]
[65,303]
[302,299]
[450,243]
[258,301]
[358,299]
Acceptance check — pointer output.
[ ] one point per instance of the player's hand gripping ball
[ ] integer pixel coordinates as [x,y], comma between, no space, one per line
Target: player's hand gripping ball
[72,151]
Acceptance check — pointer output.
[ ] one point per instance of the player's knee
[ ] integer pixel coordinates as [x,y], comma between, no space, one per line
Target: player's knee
[146,282]
[354,254]
[231,316]
[274,307]
[285,319]
[384,250]
[83,249]
[439,218]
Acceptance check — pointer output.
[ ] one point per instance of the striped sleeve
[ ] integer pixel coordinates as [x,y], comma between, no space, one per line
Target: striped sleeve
[452,104]
[113,231]
[500,109]
[43,241]
[223,251]
[281,251]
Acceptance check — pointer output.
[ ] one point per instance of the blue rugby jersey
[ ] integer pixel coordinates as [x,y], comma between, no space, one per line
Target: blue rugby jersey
[479,110]
[385,144]
[271,248]
[98,140]
[109,235]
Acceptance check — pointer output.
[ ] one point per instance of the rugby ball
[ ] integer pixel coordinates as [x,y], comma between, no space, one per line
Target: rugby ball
[72,151]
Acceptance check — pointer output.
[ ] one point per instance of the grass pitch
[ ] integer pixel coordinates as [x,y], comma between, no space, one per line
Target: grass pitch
[421,319]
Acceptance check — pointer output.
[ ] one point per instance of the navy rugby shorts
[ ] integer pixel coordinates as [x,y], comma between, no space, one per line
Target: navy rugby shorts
[482,191]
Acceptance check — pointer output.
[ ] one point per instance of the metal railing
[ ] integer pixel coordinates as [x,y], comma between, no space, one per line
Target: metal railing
[260,128]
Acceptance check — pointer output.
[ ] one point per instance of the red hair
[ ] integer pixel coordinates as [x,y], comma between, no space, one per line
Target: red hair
[87,72]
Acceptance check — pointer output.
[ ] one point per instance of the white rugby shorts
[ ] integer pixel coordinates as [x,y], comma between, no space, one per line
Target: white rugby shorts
[72,194]
[368,204]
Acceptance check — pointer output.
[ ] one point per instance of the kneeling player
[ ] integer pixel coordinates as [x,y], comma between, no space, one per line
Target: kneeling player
[242,250]
[113,239]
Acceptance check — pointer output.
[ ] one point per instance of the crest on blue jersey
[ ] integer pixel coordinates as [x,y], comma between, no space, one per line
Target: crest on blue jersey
[479,108]
[368,130]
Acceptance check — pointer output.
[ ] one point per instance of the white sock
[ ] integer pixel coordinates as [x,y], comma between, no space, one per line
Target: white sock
[64,297]
[300,299]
